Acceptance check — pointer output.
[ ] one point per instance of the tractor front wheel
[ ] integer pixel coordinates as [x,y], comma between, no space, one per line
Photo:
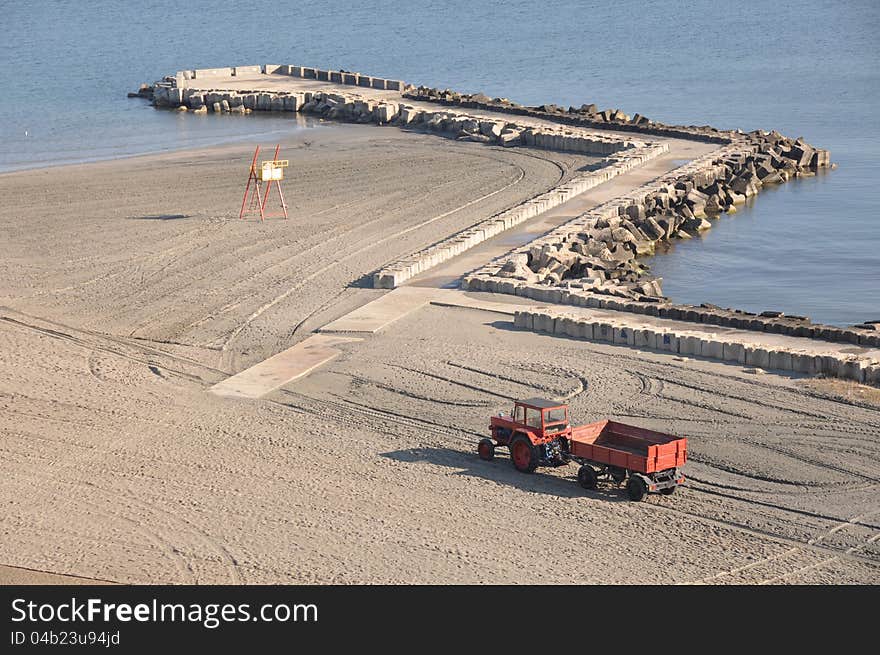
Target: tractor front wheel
[587,477]
[486,450]
[523,454]
[636,488]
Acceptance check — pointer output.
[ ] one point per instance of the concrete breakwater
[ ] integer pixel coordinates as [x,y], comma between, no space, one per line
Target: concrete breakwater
[598,251]
[865,335]
[354,107]
[733,348]
[587,115]
[397,272]
[605,241]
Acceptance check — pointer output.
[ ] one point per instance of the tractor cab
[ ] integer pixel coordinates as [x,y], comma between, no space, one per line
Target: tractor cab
[538,417]
[545,416]
[537,433]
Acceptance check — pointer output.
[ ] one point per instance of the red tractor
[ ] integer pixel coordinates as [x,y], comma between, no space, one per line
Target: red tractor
[538,433]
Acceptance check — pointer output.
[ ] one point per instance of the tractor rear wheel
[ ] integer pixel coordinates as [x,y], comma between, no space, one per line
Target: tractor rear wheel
[523,454]
[636,488]
[486,450]
[668,491]
[587,477]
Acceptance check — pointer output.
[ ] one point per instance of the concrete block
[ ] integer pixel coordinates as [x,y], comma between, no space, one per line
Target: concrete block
[196,100]
[336,77]
[292,103]
[570,327]
[295,71]
[247,70]
[712,349]
[365,80]
[690,346]
[395,85]
[507,286]
[322,75]
[268,69]
[758,357]
[734,352]
[603,332]
[667,341]
[202,73]
[851,369]
[622,336]
[780,360]
[805,363]
[872,375]
[350,78]
[523,320]
[543,323]
[586,329]
[644,338]
[378,83]
[830,366]
[310,73]
[386,112]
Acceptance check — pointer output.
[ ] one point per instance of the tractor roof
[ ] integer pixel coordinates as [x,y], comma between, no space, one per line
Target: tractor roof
[540,403]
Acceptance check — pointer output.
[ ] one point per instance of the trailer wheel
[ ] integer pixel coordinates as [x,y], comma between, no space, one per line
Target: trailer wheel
[486,450]
[668,491]
[523,454]
[587,477]
[636,488]
[617,474]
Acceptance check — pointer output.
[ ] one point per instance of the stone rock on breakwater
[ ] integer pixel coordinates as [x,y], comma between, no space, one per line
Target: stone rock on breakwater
[353,107]
[587,115]
[599,250]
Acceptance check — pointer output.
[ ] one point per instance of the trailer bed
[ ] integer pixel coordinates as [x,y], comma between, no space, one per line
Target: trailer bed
[628,447]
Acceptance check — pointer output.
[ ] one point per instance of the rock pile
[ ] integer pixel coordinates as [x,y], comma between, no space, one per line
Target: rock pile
[587,115]
[353,107]
[599,250]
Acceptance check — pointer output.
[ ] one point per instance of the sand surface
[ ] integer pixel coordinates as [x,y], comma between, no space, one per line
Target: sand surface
[131,288]
[152,248]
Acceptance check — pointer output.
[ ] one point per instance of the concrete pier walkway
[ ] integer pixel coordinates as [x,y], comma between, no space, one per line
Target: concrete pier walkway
[286,366]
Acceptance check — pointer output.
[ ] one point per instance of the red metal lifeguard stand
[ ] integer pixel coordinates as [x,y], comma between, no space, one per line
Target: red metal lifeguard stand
[269,171]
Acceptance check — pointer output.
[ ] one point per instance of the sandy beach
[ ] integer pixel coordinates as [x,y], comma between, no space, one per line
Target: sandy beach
[130,287]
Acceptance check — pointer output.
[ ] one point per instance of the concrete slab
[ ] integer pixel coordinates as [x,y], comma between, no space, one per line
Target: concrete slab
[278,370]
[383,311]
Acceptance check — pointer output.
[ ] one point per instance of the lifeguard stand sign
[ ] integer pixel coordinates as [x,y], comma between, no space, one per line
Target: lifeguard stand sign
[269,171]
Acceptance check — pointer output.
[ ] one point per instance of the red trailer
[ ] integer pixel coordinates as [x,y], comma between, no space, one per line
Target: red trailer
[538,433]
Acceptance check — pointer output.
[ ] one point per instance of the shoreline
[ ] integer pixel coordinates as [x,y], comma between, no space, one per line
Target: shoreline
[280,132]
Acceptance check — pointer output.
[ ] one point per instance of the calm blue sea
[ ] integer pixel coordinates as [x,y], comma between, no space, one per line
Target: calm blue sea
[807,68]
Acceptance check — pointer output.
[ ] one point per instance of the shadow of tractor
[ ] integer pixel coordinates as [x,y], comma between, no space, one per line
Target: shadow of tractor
[501,471]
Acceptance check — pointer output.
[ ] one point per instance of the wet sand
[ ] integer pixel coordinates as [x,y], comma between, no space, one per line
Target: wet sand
[131,289]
